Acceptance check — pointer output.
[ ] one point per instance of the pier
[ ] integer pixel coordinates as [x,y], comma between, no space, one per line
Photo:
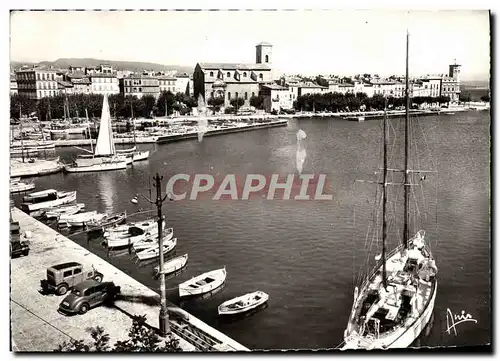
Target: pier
[37,326]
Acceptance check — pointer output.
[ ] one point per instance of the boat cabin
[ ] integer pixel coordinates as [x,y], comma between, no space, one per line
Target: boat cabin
[43,196]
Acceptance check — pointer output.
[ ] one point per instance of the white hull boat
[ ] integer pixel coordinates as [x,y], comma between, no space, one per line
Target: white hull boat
[173,265]
[18,187]
[109,221]
[97,167]
[37,167]
[122,230]
[126,151]
[82,222]
[154,251]
[46,199]
[243,303]
[65,218]
[203,283]
[396,300]
[151,241]
[130,240]
[140,156]
[56,212]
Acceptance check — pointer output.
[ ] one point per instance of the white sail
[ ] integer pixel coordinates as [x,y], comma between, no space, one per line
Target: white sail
[105,144]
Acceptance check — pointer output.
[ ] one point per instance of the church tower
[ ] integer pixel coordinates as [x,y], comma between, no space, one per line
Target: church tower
[264,53]
[455,71]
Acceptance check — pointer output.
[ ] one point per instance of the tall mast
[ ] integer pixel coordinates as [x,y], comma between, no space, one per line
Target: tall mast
[90,134]
[21,128]
[384,201]
[407,120]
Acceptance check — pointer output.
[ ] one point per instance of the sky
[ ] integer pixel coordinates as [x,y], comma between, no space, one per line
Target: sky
[343,42]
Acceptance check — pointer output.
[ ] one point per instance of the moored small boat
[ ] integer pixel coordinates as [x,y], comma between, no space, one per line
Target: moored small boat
[173,265]
[46,198]
[203,283]
[79,221]
[55,212]
[18,187]
[140,155]
[154,251]
[151,241]
[243,303]
[122,230]
[66,218]
[108,220]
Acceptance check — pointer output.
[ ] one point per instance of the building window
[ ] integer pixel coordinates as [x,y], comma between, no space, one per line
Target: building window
[267,58]
[140,90]
[236,95]
[253,94]
[228,74]
[244,74]
[261,76]
[212,94]
[246,95]
[228,95]
[211,73]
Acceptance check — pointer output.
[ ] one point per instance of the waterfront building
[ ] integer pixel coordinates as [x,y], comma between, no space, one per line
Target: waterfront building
[123,73]
[140,85]
[65,87]
[76,69]
[13,84]
[450,85]
[37,82]
[104,84]
[233,80]
[167,83]
[182,83]
[276,97]
[101,69]
[311,88]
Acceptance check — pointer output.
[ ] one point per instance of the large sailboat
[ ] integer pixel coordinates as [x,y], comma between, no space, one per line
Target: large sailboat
[104,156]
[395,301]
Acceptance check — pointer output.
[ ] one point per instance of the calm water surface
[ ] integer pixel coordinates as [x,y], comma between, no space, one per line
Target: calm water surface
[306,254]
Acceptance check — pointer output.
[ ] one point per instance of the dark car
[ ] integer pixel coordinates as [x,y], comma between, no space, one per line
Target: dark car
[18,249]
[88,294]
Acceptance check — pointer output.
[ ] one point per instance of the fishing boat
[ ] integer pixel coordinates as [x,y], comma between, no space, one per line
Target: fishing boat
[203,283]
[243,303]
[82,219]
[63,219]
[16,186]
[45,199]
[56,212]
[150,241]
[104,156]
[120,231]
[132,236]
[108,220]
[173,265]
[154,251]
[395,301]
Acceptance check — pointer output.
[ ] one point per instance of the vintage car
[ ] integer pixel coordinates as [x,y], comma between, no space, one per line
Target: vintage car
[88,294]
[61,277]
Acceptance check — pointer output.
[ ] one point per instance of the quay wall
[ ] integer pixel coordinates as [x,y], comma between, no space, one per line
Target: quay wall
[37,326]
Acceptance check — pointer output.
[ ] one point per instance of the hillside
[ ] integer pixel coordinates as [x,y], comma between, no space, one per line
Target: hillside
[118,65]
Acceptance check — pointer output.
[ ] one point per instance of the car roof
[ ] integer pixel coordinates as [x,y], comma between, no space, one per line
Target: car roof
[61,266]
[89,283]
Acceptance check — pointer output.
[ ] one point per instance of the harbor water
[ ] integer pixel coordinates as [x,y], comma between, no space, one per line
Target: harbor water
[306,254]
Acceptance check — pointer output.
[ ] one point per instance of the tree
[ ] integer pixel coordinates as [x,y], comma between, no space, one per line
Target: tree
[215,103]
[167,98]
[485,98]
[142,338]
[321,81]
[237,102]
[257,101]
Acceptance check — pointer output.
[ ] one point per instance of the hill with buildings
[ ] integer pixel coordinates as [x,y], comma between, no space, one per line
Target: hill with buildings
[64,63]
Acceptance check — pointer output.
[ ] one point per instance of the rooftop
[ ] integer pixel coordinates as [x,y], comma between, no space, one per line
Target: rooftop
[264,43]
[234,66]
[274,87]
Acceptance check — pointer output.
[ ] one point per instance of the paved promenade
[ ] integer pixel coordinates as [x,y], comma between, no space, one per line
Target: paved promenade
[37,326]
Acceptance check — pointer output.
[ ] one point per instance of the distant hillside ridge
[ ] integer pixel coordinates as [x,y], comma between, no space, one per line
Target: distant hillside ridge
[135,66]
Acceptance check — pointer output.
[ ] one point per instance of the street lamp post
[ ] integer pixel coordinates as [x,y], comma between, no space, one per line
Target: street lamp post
[163,318]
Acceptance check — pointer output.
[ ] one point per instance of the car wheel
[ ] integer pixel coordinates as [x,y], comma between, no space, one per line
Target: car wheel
[62,290]
[83,309]
[98,278]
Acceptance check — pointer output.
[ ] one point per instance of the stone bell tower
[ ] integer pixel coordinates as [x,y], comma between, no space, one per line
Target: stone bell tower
[264,53]
[455,71]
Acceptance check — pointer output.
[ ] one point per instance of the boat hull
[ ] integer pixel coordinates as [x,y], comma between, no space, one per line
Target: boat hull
[173,265]
[67,212]
[154,240]
[219,279]
[224,310]
[97,167]
[154,252]
[21,187]
[30,207]
[138,156]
